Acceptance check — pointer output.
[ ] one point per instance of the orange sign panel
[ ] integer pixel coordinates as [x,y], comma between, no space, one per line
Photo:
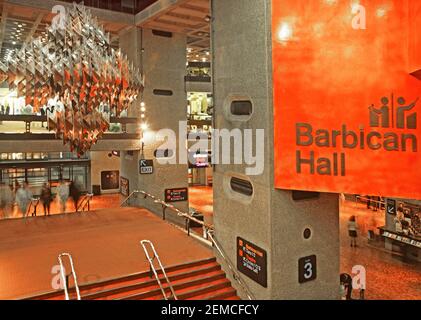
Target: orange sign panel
[347,99]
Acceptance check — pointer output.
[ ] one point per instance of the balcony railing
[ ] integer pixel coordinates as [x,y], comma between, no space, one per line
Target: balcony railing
[15,127]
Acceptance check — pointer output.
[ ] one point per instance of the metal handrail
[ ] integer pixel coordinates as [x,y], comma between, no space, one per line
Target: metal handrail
[166,206]
[235,274]
[65,277]
[128,198]
[152,268]
[209,230]
[365,198]
[85,202]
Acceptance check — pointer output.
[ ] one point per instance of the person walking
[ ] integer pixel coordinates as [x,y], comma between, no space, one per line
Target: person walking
[75,194]
[46,198]
[23,198]
[352,231]
[2,201]
[63,194]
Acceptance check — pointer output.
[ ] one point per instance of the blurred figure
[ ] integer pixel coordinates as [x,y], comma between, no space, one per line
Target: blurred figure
[352,231]
[23,198]
[75,194]
[2,201]
[368,202]
[7,200]
[63,194]
[46,198]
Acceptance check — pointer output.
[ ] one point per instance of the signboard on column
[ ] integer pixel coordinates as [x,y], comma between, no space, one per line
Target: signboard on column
[347,104]
[252,261]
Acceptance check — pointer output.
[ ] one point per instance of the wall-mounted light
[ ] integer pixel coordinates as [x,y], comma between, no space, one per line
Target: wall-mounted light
[284,32]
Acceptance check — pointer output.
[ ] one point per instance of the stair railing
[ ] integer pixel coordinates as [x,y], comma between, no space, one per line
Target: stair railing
[165,206]
[85,203]
[235,274]
[208,231]
[152,269]
[65,277]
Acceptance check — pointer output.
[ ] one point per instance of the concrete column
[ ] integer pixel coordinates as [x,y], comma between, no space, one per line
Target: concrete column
[270,218]
[162,57]
[130,44]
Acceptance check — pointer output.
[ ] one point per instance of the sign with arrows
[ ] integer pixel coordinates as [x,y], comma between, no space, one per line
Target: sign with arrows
[391,206]
[146,166]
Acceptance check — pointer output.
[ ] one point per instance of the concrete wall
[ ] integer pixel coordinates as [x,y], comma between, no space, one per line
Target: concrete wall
[270,218]
[163,61]
[164,64]
[100,161]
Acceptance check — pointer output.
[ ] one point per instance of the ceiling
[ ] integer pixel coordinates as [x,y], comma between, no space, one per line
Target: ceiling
[191,17]
[128,6]
[19,23]
[22,20]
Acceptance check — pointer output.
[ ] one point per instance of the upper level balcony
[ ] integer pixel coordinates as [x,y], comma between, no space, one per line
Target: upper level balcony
[29,133]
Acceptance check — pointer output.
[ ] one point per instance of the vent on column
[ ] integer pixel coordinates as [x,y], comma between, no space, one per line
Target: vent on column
[304,195]
[160,33]
[242,108]
[160,92]
[241,186]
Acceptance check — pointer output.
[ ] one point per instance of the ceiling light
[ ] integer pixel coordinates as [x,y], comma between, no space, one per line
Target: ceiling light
[144,126]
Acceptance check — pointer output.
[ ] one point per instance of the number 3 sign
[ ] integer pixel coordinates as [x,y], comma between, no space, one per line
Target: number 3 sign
[307,269]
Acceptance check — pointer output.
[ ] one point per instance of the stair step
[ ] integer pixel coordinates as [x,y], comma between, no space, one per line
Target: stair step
[179,287]
[151,282]
[152,287]
[199,280]
[109,283]
[222,294]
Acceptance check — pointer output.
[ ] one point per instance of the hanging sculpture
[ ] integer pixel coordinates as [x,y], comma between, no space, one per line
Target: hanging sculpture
[76,72]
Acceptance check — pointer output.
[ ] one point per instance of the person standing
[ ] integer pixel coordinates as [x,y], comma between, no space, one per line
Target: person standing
[23,198]
[352,231]
[3,200]
[75,194]
[63,194]
[368,202]
[46,197]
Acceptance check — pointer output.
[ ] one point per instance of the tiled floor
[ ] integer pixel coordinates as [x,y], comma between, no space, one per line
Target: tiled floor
[388,277]
[201,199]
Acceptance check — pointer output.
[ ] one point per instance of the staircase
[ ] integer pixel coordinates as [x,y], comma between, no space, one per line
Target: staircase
[200,280]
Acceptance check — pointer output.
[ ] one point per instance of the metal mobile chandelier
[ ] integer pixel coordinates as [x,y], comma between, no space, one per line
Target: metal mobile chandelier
[76,71]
